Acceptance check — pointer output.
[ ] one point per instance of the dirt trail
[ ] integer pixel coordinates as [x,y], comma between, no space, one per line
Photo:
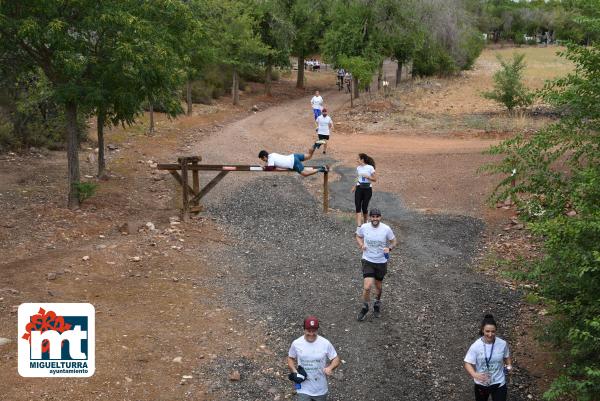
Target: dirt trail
[226,291]
[287,260]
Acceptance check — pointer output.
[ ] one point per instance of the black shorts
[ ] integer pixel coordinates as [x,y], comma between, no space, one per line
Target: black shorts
[326,137]
[375,270]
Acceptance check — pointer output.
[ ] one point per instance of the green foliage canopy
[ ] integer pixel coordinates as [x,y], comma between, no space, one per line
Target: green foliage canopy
[557,172]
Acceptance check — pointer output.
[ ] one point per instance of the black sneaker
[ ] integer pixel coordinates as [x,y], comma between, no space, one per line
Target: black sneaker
[323,169]
[363,312]
[377,309]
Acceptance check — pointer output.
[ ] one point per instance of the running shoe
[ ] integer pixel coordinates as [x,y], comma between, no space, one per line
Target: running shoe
[377,309]
[363,312]
[323,169]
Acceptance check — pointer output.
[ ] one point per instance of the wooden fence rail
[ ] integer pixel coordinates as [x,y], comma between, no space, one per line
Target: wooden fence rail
[187,164]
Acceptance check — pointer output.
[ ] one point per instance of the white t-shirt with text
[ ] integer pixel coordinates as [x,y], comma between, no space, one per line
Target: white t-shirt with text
[363,172]
[313,357]
[375,238]
[281,161]
[479,351]
[323,124]
[317,102]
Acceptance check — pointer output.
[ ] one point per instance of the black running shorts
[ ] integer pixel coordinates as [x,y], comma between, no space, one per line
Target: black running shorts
[375,270]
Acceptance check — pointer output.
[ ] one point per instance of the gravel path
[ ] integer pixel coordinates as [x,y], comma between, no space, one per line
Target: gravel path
[289,260]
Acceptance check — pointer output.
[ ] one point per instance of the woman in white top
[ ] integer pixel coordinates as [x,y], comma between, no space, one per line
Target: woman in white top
[488,361]
[317,104]
[362,188]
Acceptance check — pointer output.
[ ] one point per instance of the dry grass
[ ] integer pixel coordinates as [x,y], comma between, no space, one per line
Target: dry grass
[543,63]
[455,106]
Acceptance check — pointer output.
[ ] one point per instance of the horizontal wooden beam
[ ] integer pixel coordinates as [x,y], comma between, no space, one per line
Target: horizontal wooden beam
[210,167]
[220,167]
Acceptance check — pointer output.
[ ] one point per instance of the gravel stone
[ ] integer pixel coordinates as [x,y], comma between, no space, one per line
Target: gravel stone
[286,260]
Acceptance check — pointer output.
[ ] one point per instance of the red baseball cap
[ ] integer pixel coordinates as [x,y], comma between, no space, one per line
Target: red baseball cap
[311,322]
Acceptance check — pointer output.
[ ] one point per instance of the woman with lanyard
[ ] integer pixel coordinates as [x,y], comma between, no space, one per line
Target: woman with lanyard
[362,189]
[488,361]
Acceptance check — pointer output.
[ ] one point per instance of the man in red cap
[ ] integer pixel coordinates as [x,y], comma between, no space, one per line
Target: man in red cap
[324,126]
[308,360]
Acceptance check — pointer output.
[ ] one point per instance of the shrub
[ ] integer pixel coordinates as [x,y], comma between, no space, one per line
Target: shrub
[472,46]
[433,59]
[508,85]
[85,190]
[28,116]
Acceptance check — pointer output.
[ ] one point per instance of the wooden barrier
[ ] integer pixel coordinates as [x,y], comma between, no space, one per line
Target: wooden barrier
[187,164]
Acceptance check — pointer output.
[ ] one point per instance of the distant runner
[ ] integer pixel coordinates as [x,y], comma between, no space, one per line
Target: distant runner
[363,191]
[376,240]
[317,104]
[307,361]
[276,161]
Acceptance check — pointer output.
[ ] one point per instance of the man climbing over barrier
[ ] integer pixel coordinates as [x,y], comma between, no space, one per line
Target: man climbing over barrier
[276,161]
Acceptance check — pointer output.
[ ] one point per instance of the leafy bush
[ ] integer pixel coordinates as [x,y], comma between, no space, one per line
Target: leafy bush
[28,116]
[558,190]
[85,190]
[508,84]
[433,59]
[472,45]
[519,39]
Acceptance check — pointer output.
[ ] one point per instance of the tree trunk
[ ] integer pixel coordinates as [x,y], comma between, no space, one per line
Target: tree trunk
[398,74]
[72,154]
[268,71]
[151,113]
[379,76]
[235,89]
[355,87]
[101,162]
[188,97]
[300,80]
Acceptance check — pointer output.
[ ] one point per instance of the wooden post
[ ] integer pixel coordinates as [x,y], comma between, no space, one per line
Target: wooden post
[195,180]
[185,213]
[325,192]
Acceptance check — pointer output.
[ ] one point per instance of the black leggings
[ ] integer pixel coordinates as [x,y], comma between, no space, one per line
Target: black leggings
[498,393]
[362,196]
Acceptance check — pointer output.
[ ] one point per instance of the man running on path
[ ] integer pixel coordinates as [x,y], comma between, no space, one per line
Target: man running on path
[276,161]
[311,352]
[376,240]
[324,125]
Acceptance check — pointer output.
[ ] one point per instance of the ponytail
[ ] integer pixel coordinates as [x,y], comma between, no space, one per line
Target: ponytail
[367,159]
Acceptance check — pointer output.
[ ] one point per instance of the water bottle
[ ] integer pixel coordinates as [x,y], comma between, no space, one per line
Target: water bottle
[386,255]
[297,386]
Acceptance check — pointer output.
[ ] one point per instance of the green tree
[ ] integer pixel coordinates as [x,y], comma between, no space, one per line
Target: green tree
[58,38]
[309,19]
[557,173]
[138,56]
[351,40]
[238,41]
[276,32]
[104,57]
[508,84]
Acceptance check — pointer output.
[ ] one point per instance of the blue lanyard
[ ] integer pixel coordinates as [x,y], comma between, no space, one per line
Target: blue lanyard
[487,360]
